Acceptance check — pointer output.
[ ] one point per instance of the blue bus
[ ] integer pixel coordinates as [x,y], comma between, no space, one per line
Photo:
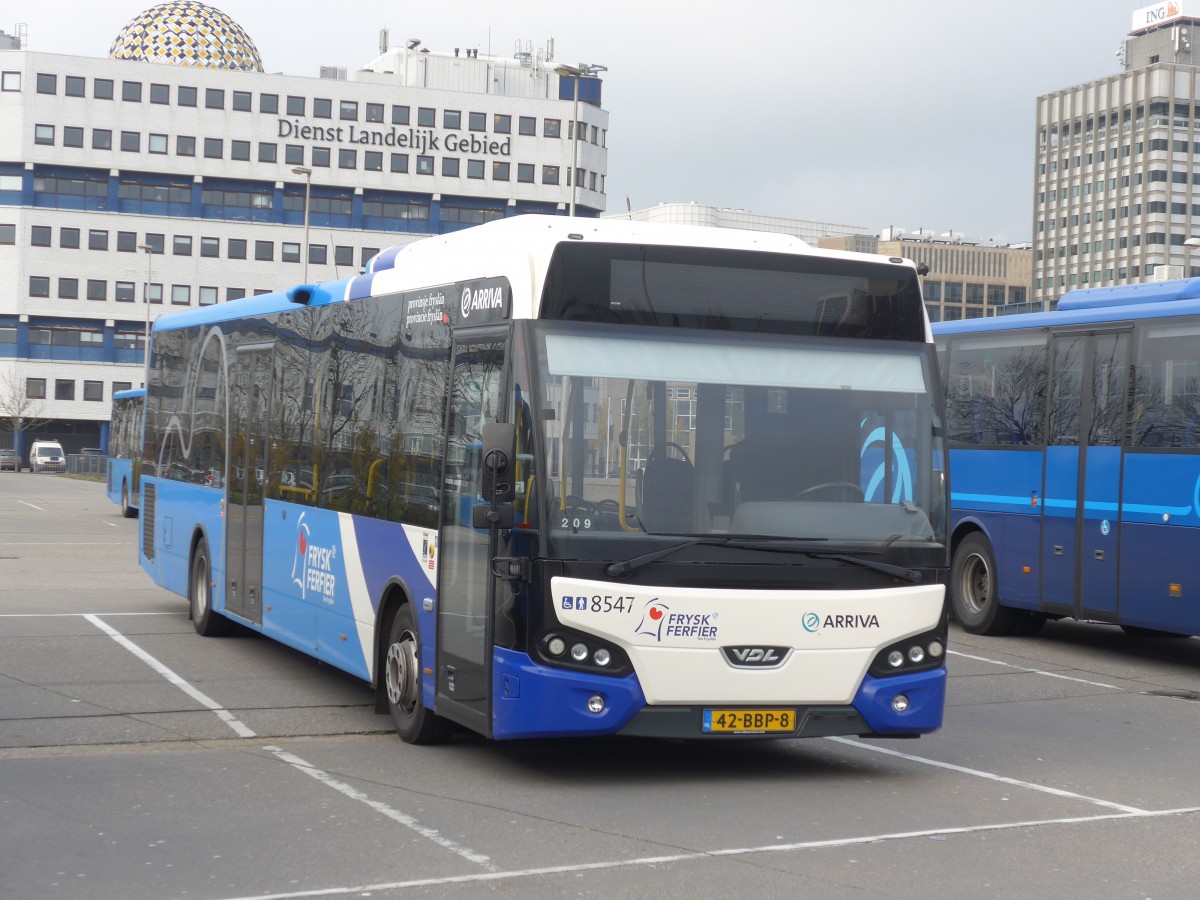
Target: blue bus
[548,477]
[125,449]
[1075,461]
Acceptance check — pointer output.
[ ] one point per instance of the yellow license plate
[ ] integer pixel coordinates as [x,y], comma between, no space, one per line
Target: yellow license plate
[749,721]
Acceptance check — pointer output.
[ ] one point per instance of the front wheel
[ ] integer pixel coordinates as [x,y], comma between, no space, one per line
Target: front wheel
[973,590]
[402,679]
[207,621]
[126,510]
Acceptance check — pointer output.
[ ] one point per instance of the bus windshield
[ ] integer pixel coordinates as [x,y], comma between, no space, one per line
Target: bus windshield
[713,433]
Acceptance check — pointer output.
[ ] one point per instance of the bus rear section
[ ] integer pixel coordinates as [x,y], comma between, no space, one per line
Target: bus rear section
[123,485]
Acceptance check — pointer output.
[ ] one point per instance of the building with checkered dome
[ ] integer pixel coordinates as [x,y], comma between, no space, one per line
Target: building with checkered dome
[186,33]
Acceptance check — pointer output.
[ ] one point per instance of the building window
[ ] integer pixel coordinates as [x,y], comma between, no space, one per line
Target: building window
[295,106]
[399,115]
[101,139]
[550,175]
[47,83]
[236,248]
[426,116]
[131,91]
[185,145]
[68,289]
[39,286]
[267,152]
[500,171]
[214,98]
[450,166]
[348,110]
[157,143]
[269,104]
[131,141]
[43,134]
[318,254]
[241,101]
[8,234]
[68,238]
[235,293]
[75,86]
[343,256]
[264,251]
[126,241]
[97,239]
[502,123]
[213,148]
[320,157]
[293,154]
[424,165]
[181,245]
[10,81]
[525,173]
[123,291]
[322,108]
[527,125]
[181,294]
[289,252]
[551,128]
[208,296]
[239,150]
[186,95]
[72,136]
[93,391]
[160,93]
[97,289]
[399,162]
[474,168]
[39,236]
[375,112]
[102,88]
[210,247]
[366,254]
[156,243]
[373,160]
[347,159]
[452,118]
[35,388]
[64,388]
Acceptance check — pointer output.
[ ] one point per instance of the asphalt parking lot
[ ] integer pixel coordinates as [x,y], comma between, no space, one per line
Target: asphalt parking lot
[140,760]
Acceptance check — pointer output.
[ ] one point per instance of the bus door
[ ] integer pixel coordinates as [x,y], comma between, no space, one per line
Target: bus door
[1081,496]
[250,394]
[466,588]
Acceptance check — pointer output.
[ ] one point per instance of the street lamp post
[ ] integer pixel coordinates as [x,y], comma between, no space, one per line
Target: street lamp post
[149,251]
[307,173]
[583,70]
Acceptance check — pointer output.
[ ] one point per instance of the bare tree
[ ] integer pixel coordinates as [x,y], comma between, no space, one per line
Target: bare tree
[18,412]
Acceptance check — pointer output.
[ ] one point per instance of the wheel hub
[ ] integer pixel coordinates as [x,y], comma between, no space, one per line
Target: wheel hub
[401,672]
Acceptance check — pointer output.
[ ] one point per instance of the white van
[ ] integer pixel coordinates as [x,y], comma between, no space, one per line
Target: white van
[47,456]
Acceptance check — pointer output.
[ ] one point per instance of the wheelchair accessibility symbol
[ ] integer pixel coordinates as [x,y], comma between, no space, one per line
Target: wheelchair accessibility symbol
[1104,527]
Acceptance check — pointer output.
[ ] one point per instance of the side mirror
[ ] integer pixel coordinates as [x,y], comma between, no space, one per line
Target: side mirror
[499,458]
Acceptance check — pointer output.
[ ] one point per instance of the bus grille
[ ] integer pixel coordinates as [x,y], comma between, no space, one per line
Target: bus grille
[148,519]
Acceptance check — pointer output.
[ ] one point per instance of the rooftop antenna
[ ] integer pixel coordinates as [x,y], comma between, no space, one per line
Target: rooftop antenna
[383,41]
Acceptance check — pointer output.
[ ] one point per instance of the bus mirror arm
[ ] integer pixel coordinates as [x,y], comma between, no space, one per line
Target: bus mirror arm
[498,515]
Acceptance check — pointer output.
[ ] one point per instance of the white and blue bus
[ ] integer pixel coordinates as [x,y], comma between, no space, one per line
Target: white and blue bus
[1075,461]
[552,476]
[125,449]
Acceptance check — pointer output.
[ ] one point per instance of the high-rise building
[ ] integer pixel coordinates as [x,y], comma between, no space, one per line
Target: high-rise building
[176,171]
[1117,186]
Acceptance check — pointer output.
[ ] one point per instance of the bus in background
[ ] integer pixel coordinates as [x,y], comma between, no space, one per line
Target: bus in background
[125,449]
[550,477]
[1075,461]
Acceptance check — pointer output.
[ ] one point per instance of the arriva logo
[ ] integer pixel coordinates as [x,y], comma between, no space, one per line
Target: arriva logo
[312,566]
[812,622]
[483,299]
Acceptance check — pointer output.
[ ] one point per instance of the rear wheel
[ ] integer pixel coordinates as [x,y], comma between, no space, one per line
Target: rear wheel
[205,619]
[973,590]
[126,510]
[402,680]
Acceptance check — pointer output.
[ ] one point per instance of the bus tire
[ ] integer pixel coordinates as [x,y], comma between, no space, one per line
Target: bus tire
[402,682]
[207,621]
[126,510]
[974,594]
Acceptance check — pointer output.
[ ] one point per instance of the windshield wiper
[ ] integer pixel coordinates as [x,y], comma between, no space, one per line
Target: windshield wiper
[770,544]
[910,575]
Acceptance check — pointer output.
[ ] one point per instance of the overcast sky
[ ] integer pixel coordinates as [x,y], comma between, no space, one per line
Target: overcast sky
[871,113]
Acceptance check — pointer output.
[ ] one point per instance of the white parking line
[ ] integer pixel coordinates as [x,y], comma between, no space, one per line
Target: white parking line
[196,694]
[38,508]
[963,770]
[107,615]
[383,809]
[996,662]
[686,857]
